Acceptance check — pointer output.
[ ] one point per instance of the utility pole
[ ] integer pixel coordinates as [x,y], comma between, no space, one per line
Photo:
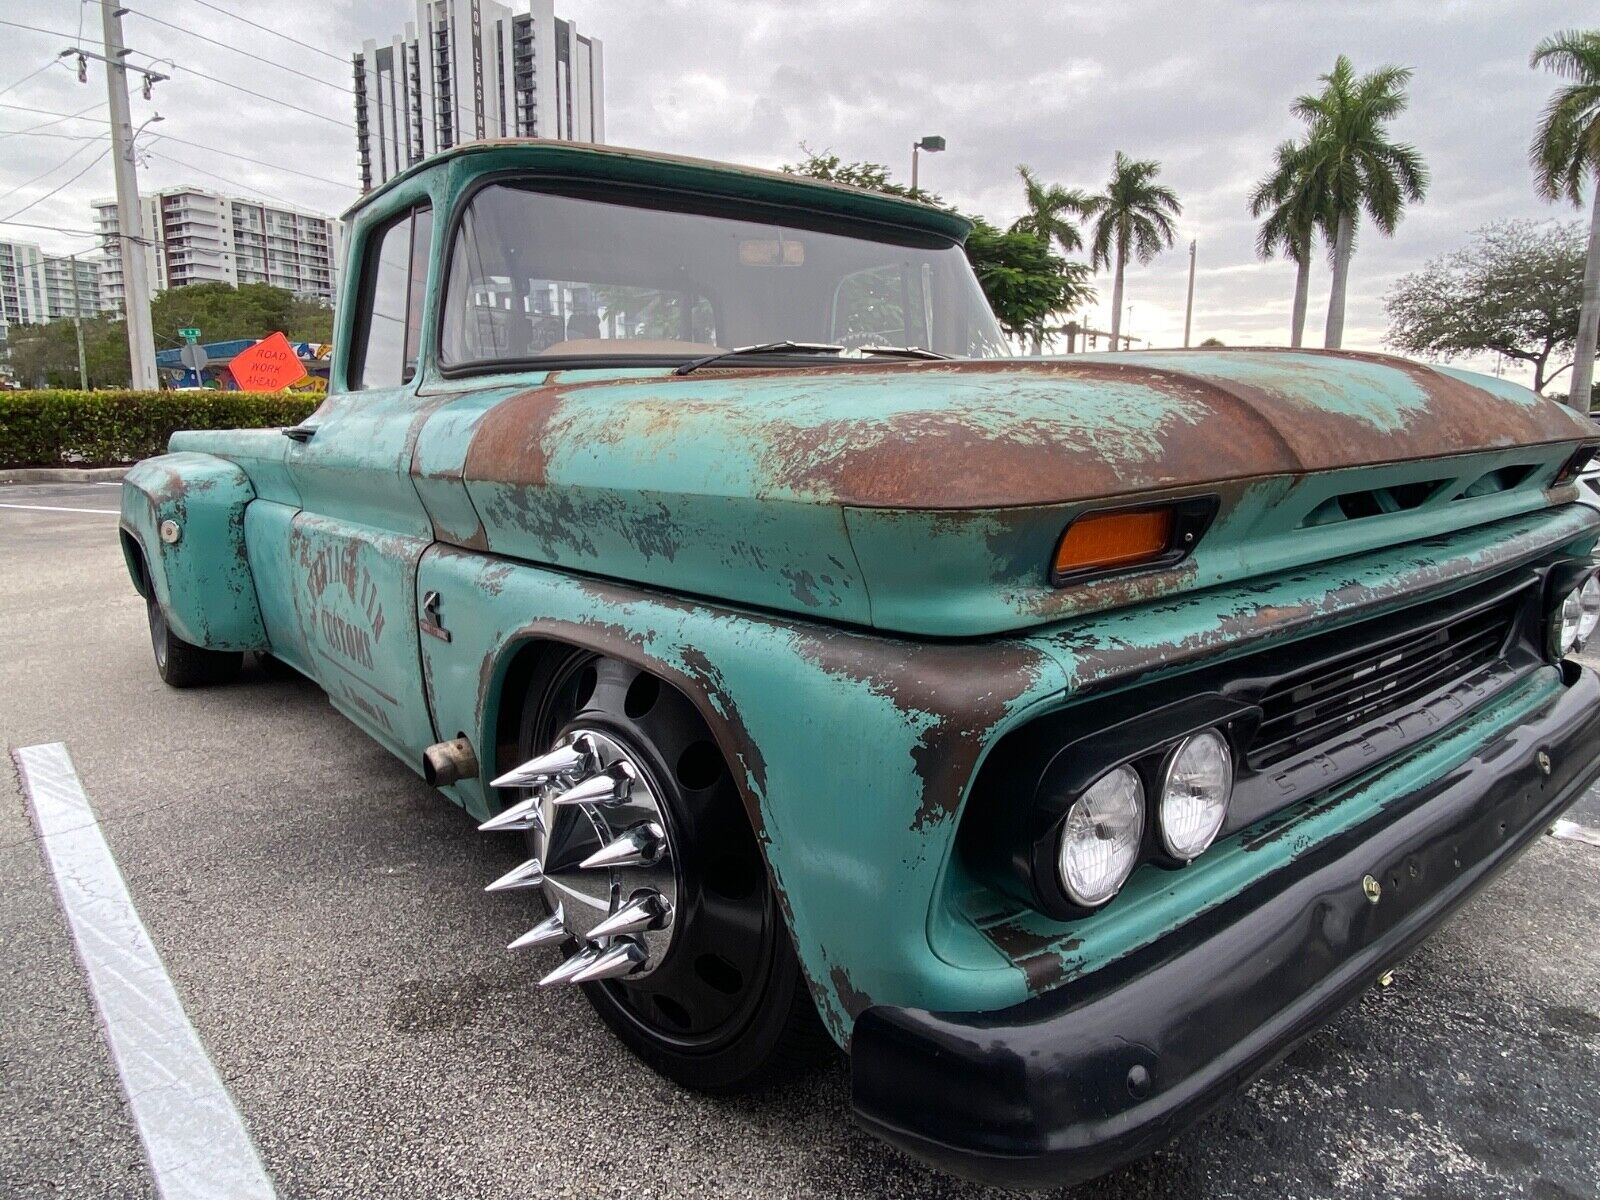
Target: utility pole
[77,326]
[1188,307]
[135,280]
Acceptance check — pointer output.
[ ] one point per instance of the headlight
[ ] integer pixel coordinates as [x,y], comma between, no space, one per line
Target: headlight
[1589,606]
[1100,837]
[1194,794]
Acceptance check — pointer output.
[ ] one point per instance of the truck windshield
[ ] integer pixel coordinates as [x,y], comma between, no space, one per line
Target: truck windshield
[538,273]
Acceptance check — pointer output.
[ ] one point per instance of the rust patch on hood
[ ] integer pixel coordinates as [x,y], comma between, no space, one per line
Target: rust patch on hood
[1001,433]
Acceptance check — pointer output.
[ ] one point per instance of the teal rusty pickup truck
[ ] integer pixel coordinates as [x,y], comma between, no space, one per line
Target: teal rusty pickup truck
[1071,735]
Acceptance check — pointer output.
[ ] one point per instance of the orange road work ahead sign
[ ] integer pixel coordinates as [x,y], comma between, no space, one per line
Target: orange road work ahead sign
[269,366]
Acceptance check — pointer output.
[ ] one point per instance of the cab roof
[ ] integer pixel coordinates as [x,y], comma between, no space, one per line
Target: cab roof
[586,160]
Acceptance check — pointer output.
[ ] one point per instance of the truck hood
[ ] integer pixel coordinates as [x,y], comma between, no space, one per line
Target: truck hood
[928,497]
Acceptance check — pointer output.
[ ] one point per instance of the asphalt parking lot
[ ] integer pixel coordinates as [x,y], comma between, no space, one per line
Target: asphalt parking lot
[320,912]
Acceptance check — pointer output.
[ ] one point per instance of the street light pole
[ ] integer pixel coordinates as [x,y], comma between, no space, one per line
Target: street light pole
[1188,307]
[932,144]
[135,280]
[77,326]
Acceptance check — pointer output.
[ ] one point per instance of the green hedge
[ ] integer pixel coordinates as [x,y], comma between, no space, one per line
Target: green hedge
[97,429]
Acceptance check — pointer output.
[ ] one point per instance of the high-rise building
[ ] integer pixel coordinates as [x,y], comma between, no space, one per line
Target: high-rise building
[36,287]
[191,235]
[472,69]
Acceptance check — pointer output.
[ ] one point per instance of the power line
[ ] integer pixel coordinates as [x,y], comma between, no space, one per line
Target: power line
[248,54]
[68,137]
[59,117]
[50,112]
[94,233]
[456,109]
[256,161]
[239,88]
[34,203]
[275,33]
[54,169]
[35,29]
[52,62]
[189,166]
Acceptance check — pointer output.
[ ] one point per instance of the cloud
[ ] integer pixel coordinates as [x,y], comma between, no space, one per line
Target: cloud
[1203,88]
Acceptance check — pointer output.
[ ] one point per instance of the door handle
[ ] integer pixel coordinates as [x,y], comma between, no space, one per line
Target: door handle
[300,433]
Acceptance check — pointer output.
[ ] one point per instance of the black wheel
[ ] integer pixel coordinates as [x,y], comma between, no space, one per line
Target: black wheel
[182,665]
[708,990]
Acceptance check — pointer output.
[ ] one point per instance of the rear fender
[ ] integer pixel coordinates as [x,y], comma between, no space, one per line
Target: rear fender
[200,572]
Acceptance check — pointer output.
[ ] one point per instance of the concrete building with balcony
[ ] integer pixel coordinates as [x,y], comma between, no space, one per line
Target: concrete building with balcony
[36,287]
[191,235]
[472,69]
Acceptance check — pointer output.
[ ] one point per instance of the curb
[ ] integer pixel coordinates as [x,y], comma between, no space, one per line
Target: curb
[62,474]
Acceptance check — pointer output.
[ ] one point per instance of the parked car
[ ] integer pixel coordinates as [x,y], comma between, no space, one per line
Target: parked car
[1072,736]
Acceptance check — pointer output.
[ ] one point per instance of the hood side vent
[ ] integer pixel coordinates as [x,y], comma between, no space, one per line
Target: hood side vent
[1373,502]
[1503,480]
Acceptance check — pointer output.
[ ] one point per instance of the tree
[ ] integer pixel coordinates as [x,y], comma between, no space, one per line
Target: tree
[1293,199]
[1051,208]
[1132,216]
[1360,169]
[1565,152]
[1515,290]
[47,354]
[1023,280]
[874,177]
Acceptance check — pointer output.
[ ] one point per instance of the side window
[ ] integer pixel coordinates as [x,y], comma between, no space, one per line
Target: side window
[394,284]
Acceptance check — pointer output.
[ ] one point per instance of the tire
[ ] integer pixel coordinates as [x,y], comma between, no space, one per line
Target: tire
[182,665]
[726,1008]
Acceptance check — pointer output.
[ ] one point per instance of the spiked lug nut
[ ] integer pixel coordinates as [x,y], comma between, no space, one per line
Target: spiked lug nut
[639,847]
[619,959]
[644,911]
[549,932]
[613,784]
[563,760]
[523,815]
[529,874]
[568,970]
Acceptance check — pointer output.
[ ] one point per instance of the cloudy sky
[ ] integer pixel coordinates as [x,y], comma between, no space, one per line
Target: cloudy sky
[1203,87]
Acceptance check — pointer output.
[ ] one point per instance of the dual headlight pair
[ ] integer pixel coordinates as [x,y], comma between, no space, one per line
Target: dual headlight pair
[1104,831]
[1574,622]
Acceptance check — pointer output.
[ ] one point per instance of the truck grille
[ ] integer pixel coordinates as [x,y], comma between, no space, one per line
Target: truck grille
[1311,706]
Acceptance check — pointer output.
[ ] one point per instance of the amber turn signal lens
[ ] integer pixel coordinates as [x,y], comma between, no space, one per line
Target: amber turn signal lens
[1114,539]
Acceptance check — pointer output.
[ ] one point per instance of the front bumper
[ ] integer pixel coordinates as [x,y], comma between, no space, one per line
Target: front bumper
[1102,1071]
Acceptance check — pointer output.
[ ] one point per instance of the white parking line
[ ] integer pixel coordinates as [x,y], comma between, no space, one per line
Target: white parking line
[56,508]
[1571,831]
[193,1136]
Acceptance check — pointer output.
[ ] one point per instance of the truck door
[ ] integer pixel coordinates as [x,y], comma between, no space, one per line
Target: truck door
[355,544]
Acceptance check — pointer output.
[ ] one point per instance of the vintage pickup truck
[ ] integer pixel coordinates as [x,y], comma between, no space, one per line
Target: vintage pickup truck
[1073,735]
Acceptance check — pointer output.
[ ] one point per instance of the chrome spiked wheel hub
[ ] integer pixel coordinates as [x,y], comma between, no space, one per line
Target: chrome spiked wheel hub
[602,856]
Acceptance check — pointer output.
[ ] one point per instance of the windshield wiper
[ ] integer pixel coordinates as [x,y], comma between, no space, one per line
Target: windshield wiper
[904,352]
[694,364]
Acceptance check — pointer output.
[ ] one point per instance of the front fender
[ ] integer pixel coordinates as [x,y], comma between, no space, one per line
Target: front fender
[202,580]
[852,751]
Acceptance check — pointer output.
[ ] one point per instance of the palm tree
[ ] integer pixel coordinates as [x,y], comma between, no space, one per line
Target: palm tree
[1565,151]
[1049,218]
[1349,148]
[1133,215]
[1292,198]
